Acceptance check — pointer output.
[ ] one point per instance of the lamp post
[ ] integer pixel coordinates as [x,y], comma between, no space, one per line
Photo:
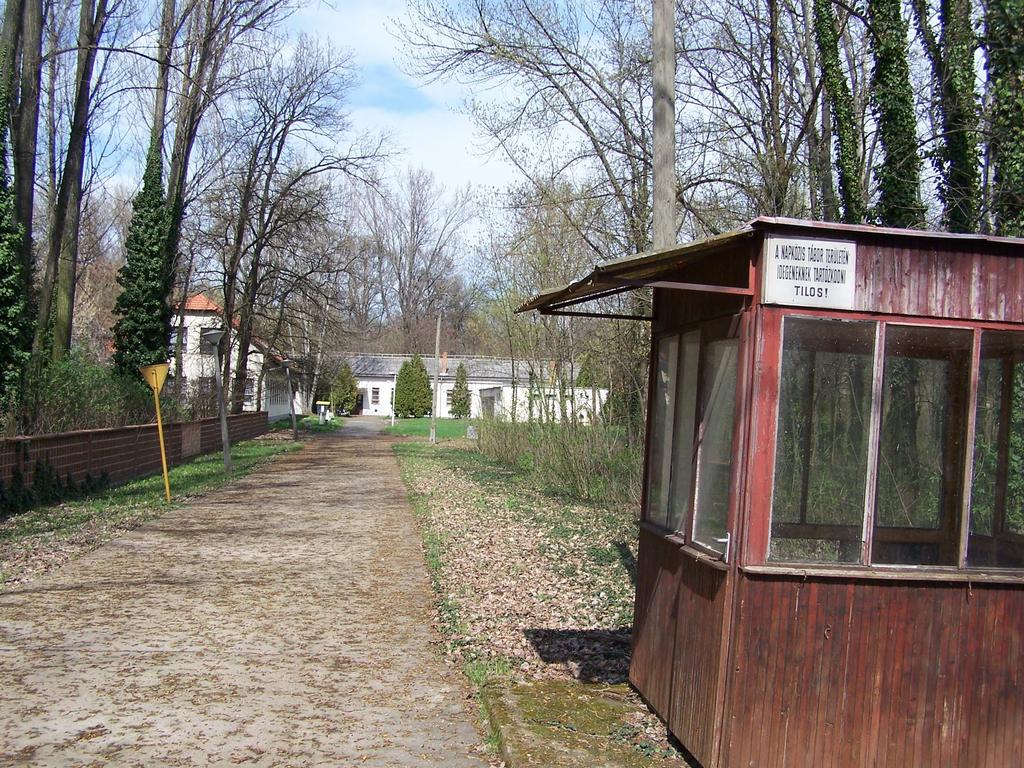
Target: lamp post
[286,364]
[212,336]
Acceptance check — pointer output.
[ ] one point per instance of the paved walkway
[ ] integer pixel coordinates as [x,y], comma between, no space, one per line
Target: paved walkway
[284,620]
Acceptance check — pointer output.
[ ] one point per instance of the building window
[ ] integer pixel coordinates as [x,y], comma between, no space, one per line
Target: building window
[689,484]
[996,534]
[821,450]
[905,440]
[375,396]
[684,448]
[660,452]
[250,392]
[177,333]
[714,444]
[921,453]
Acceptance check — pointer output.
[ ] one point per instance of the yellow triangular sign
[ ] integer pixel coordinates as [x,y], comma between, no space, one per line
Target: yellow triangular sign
[155,375]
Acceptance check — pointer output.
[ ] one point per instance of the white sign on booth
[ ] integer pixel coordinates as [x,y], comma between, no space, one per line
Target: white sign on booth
[807,272]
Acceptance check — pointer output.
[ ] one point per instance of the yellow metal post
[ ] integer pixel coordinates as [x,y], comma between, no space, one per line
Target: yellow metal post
[155,375]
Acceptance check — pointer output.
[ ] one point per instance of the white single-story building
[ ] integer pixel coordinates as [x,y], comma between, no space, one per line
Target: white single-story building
[499,388]
[198,360]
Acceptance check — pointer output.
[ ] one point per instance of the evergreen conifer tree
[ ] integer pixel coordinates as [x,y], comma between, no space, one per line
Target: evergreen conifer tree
[143,329]
[412,390]
[344,390]
[460,393]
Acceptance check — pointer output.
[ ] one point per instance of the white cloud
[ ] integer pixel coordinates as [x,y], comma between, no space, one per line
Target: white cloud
[430,131]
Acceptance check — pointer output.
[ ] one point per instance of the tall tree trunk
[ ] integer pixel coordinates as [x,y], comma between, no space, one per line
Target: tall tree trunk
[840,101]
[25,120]
[952,63]
[1004,37]
[62,248]
[899,175]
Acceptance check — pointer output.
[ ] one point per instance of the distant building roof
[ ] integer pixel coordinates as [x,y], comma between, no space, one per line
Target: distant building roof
[199,303]
[496,369]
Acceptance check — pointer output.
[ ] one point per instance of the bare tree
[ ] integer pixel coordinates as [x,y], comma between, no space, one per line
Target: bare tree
[284,148]
[417,233]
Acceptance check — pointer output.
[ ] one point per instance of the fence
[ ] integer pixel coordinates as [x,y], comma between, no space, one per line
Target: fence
[122,453]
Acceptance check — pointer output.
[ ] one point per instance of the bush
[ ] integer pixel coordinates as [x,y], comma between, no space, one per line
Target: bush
[592,462]
[79,393]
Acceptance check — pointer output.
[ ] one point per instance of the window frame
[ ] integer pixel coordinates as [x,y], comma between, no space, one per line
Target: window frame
[727,327]
[965,470]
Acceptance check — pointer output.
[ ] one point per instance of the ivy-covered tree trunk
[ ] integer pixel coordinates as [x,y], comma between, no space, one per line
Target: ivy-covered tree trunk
[840,101]
[952,62]
[1004,38]
[15,283]
[899,175]
[142,331]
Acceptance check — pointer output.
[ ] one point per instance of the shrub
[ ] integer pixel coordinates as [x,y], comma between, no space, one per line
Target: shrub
[593,462]
[79,393]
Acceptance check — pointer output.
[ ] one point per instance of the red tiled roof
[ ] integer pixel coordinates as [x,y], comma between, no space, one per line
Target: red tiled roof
[199,303]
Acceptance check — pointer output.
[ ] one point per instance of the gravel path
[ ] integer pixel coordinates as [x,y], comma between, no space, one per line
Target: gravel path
[284,620]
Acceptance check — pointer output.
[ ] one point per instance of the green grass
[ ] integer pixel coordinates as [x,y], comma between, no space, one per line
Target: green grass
[447,429]
[308,424]
[109,512]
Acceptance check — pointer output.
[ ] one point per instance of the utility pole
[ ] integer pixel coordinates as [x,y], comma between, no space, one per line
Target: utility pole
[437,382]
[212,337]
[664,50]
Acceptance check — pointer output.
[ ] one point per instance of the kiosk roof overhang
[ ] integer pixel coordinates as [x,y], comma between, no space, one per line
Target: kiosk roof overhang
[649,269]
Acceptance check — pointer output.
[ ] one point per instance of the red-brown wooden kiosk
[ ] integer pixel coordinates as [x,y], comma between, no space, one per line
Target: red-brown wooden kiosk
[831,567]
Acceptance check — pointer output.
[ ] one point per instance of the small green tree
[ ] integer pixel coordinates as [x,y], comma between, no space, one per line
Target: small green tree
[460,393]
[344,390]
[143,328]
[412,390]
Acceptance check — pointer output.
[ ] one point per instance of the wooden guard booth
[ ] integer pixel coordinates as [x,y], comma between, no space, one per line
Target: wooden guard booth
[831,567]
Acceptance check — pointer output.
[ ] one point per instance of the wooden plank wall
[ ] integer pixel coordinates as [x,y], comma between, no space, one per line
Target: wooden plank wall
[940,281]
[698,655]
[845,674]
[677,641]
[654,621]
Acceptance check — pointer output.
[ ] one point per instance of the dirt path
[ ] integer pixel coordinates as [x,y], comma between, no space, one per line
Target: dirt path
[284,620]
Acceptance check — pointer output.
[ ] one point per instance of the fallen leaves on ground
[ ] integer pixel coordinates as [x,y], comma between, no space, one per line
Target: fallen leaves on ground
[541,583]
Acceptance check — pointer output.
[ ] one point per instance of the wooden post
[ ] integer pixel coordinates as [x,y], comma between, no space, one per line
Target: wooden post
[436,400]
[664,50]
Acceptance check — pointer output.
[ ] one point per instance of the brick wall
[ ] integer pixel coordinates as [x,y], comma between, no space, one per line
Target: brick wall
[123,453]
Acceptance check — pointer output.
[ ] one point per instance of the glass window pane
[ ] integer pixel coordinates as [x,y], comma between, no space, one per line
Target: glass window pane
[660,440]
[714,456]
[921,446]
[683,443]
[821,449]
[997,492]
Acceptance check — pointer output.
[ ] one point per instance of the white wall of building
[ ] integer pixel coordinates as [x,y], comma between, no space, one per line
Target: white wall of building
[545,402]
[198,363]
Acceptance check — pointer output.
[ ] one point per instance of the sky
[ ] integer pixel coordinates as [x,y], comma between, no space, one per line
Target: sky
[428,126]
